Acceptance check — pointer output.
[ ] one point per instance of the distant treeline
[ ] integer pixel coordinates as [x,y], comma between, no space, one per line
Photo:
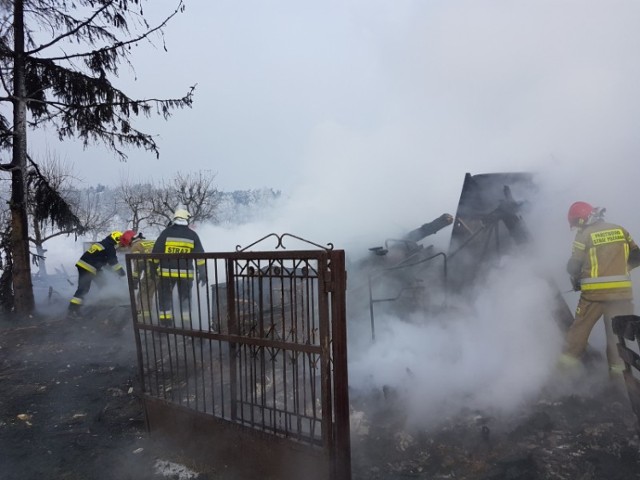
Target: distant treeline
[232,207]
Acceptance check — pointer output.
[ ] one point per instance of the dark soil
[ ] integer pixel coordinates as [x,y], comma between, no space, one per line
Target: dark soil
[68,410]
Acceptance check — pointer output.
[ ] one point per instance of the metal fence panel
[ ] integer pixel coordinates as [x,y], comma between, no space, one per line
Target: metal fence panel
[627,328]
[253,340]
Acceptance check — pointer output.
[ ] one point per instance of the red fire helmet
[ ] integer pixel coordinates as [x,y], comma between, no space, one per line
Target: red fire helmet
[126,238]
[579,213]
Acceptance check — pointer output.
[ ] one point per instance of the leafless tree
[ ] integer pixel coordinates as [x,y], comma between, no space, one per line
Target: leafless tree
[194,191]
[135,200]
[95,213]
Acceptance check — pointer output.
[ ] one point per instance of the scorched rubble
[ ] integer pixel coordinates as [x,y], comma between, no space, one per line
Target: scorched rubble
[68,410]
[572,437]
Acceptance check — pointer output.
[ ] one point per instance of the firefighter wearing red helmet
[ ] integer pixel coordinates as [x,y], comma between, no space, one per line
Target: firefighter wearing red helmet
[602,255]
[90,265]
[126,238]
[579,214]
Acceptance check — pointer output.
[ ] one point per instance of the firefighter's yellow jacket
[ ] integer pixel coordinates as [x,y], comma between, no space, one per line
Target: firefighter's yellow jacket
[602,255]
[140,245]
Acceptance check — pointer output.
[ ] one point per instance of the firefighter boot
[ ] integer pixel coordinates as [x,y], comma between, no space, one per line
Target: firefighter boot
[568,363]
[568,374]
[165,318]
[617,385]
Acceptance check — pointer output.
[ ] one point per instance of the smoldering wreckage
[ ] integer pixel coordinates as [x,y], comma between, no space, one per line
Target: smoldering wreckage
[254,382]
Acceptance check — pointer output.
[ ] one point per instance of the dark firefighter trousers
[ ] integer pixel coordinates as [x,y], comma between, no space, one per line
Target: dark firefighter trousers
[165,293]
[85,278]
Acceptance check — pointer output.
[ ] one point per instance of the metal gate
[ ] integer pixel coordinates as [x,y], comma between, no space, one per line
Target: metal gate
[627,328]
[251,368]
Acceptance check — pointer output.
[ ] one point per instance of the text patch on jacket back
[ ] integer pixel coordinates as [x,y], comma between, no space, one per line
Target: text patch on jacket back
[607,236]
[178,245]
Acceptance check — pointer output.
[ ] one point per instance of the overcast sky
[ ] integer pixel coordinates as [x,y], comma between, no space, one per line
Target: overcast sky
[372,92]
[368,113]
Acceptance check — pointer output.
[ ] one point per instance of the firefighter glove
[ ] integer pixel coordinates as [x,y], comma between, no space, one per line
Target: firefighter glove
[121,272]
[575,283]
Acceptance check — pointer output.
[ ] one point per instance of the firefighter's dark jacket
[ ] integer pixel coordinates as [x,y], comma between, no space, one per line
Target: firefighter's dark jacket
[100,254]
[178,239]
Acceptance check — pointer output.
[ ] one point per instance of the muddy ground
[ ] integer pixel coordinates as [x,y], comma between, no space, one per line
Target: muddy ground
[68,410]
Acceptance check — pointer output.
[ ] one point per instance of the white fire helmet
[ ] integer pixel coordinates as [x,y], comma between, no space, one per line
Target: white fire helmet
[181,214]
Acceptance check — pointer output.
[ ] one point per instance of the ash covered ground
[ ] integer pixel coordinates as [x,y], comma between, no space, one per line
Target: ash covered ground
[569,437]
[68,410]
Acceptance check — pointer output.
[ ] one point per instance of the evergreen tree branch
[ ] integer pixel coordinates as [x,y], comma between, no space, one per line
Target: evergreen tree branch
[88,22]
[113,49]
[48,204]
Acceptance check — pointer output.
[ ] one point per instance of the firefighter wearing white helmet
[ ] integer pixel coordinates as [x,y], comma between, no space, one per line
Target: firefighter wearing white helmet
[603,254]
[178,271]
[90,265]
[181,214]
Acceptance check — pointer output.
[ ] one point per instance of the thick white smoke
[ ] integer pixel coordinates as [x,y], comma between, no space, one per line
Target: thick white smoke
[494,353]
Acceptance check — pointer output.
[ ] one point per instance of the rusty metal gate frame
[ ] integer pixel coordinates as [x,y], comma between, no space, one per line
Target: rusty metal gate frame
[243,380]
[627,328]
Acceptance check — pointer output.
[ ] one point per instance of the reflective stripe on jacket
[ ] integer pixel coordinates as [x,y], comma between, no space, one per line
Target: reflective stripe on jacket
[98,255]
[600,261]
[176,272]
[140,245]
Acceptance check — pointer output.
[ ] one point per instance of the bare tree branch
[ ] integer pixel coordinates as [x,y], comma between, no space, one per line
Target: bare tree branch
[195,192]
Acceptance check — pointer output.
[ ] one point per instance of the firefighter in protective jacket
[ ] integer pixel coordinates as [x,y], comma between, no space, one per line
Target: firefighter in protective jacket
[97,256]
[178,239]
[602,256]
[144,276]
